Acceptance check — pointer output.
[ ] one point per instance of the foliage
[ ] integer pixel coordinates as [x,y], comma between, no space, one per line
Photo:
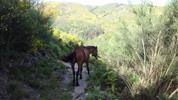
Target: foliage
[20,24]
[105,83]
[147,57]
[153,63]
[29,51]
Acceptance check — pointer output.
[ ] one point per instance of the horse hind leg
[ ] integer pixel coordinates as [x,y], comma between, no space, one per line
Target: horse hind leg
[73,72]
[81,69]
[78,71]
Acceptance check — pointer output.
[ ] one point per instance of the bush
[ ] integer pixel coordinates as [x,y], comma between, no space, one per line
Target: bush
[28,51]
[153,63]
[23,28]
[106,83]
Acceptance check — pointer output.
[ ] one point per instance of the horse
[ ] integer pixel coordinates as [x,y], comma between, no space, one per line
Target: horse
[80,55]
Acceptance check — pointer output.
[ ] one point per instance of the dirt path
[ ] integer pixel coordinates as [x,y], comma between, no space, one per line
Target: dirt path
[79,91]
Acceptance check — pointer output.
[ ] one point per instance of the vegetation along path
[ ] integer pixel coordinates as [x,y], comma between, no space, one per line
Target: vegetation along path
[79,91]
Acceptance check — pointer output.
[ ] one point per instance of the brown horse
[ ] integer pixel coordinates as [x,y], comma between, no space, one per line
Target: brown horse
[80,55]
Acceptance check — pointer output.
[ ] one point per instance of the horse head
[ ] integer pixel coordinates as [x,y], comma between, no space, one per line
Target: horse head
[95,52]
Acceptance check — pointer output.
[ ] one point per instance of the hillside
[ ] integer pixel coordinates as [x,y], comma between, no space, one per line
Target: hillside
[102,25]
[86,21]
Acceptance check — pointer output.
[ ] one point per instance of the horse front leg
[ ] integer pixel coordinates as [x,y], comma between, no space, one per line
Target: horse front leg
[88,68]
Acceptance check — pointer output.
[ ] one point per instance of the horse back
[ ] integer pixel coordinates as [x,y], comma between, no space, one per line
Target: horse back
[80,54]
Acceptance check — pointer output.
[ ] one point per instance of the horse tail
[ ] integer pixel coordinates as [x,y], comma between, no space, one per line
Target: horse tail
[69,58]
[73,57]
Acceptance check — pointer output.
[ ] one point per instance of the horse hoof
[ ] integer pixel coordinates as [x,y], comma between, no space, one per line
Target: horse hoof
[77,84]
[73,84]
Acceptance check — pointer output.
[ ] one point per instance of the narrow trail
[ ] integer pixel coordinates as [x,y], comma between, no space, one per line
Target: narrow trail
[79,91]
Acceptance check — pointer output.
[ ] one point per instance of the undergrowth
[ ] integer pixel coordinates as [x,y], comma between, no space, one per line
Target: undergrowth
[105,83]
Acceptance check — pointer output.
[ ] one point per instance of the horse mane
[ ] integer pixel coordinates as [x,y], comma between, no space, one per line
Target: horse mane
[91,46]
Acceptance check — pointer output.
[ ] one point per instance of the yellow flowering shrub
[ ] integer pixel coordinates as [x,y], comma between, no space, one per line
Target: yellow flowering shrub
[66,37]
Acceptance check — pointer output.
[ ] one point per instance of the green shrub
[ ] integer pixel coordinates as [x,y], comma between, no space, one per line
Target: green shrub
[23,28]
[105,83]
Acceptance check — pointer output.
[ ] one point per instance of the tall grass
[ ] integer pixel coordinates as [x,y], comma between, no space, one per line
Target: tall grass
[155,71]
[148,69]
